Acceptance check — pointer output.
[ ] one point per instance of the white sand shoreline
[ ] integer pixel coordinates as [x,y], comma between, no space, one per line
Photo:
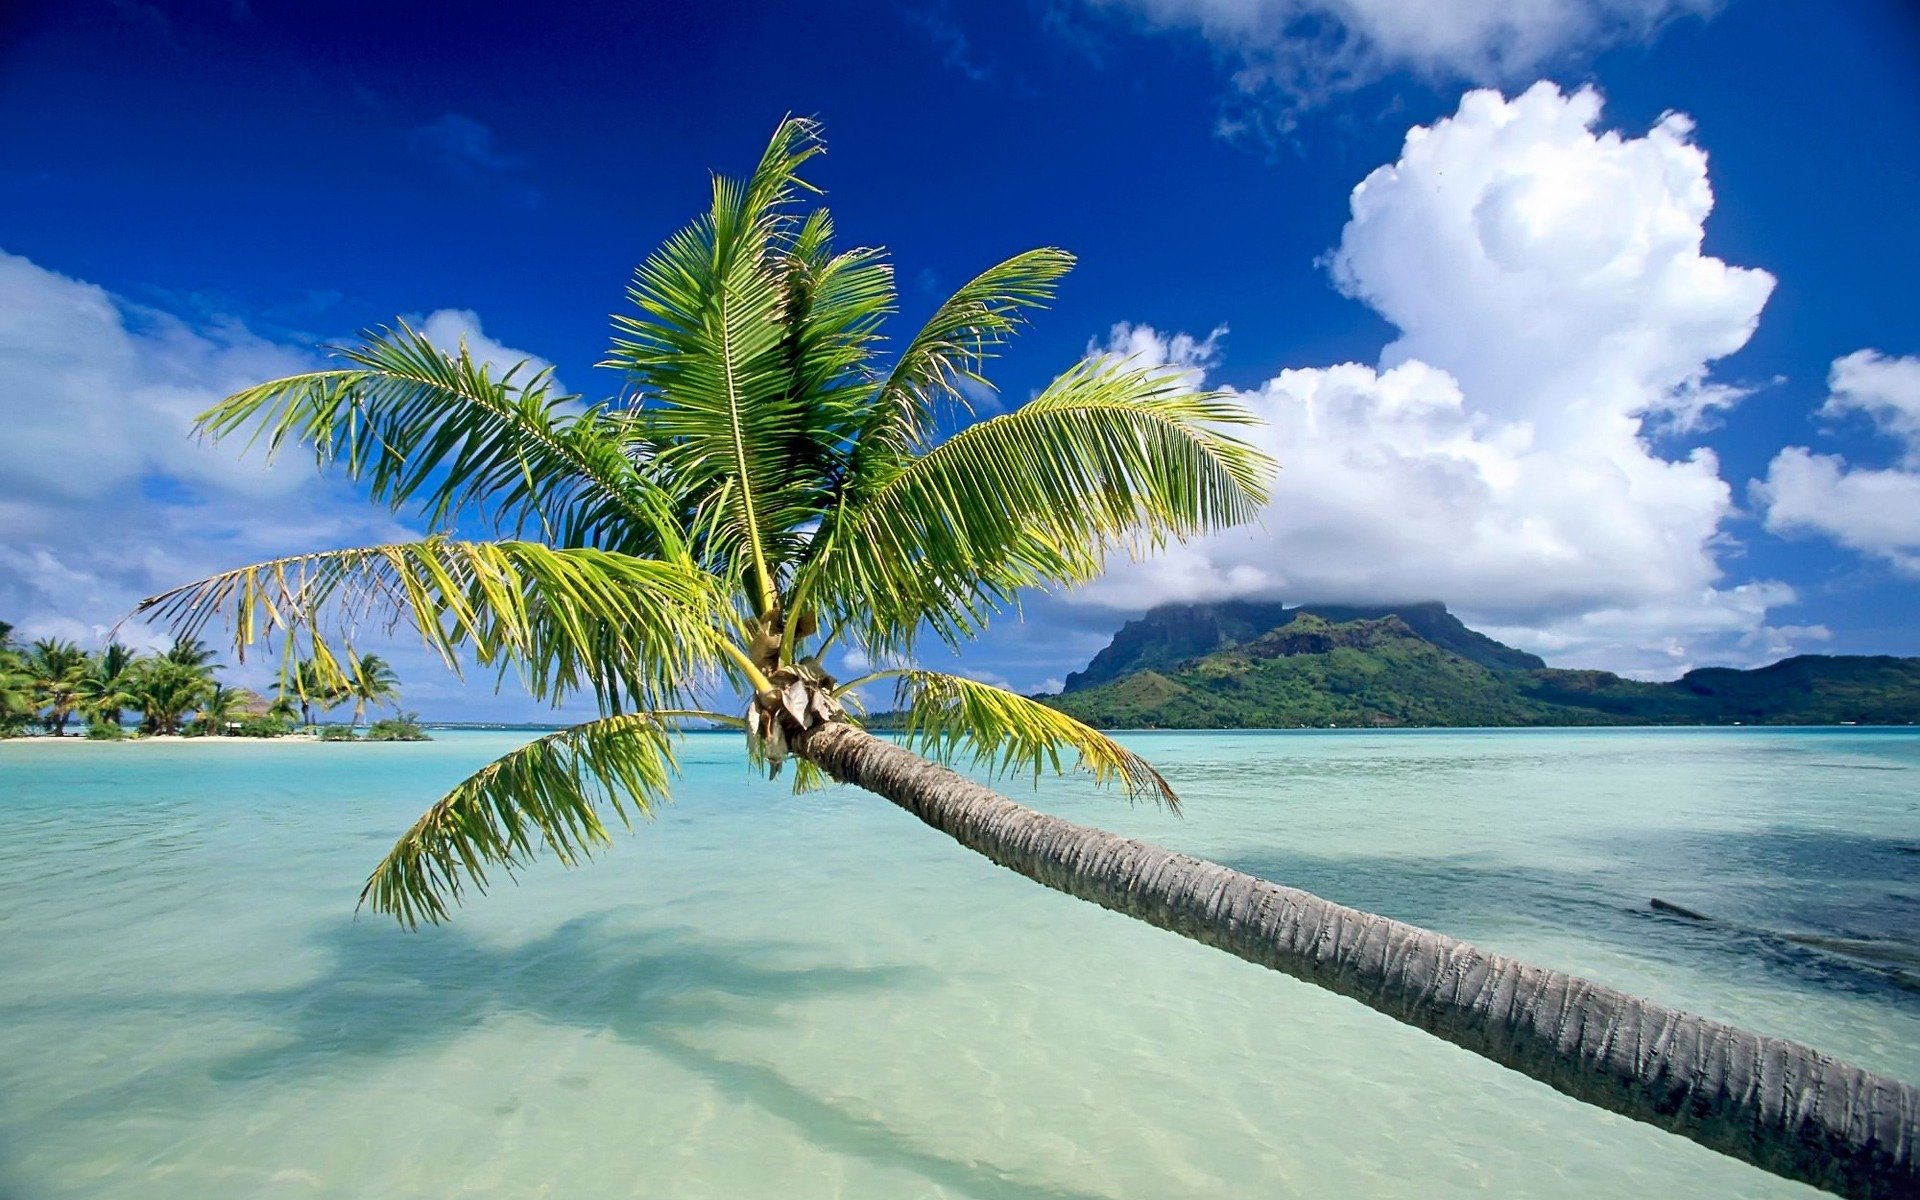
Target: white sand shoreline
[41,739]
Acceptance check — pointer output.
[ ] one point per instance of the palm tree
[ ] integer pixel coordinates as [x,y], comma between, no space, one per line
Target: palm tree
[106,688]
[56,668]
[370,681]
[165,690]
[221,707]
[283,707]
[190,652]
[17,705]
[768,487]
[313,682]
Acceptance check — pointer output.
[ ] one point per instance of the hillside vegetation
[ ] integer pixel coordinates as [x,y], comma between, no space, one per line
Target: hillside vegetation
[1311,668]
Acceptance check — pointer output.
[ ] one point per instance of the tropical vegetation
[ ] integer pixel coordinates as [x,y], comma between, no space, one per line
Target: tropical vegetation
[400,727]
[313,684]
[769,486]
[369,680]
[56,668]
[1188,668]
[173,692]
[17,707]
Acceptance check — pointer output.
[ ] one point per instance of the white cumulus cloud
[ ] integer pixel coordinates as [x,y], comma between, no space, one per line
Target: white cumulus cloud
[105,497]
[1556,318]
[1875,511]
[1886,390]
[451,328]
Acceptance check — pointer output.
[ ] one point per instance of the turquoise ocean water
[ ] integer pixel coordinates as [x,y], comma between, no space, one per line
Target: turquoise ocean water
[768,995]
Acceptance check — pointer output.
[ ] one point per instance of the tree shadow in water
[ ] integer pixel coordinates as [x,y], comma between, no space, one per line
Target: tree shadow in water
[383,994]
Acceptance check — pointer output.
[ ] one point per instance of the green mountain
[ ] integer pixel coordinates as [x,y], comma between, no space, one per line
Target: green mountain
[1312,669]
[1175,633]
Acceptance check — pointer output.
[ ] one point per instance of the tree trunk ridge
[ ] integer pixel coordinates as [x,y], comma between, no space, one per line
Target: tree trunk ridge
[1781,1106]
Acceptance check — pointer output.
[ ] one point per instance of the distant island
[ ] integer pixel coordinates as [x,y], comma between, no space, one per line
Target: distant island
[1248,665]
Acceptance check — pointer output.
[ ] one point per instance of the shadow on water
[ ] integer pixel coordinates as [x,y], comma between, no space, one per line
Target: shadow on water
[1819,910]
[383,994]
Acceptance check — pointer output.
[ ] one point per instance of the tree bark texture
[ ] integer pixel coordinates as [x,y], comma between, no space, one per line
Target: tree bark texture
[1781,1106]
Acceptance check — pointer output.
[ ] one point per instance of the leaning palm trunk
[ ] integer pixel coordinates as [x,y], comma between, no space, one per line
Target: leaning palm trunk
[1776,1104]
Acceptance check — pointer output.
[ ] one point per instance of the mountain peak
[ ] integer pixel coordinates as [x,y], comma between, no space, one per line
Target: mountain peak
[1176,633]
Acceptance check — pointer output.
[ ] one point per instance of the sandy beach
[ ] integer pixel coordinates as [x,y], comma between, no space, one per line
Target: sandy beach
[154,739]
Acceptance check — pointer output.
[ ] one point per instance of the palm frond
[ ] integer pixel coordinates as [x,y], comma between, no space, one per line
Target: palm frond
[416,423]
[835,307]
[708,355]
[551,792]
[950,349]
[952,718]
[1108,457]
[632,630]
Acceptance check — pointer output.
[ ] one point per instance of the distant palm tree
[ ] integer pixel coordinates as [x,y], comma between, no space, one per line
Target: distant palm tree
[771,486]
[315,682]
[190,652]
[56,667]
[106,688]
[221,707]
[17,702]
[370,681]
[114,660]
[283,707]
[165,691]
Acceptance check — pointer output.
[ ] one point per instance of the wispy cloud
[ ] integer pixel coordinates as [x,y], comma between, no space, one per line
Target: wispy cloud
[936,19]
[465,145]
[1284,58]
[469,150]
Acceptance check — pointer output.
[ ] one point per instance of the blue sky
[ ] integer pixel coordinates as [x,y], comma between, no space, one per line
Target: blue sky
[1616,354]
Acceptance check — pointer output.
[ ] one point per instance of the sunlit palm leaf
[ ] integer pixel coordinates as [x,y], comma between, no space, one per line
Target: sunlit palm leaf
[417,423]
[1107,457]
[708,356]
[951,718]
[835,306]
[949,351]
[551,792]
[632,630]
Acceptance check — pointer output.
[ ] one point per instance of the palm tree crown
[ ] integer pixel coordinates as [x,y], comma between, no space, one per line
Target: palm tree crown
[18,701]
[58,669]
[165,689]
[369,680]
[767,486]
[219,708]
[108,686]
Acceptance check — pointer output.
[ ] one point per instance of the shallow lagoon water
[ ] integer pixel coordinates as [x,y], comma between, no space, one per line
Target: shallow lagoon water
[762,994]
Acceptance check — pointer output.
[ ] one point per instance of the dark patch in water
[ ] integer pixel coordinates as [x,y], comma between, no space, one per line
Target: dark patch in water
[1818,885]
[1884,958]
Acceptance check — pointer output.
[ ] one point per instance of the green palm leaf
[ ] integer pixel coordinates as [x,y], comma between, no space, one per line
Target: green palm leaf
[950,349]
[417,423]
[708,353]
[634,631]
[550,792]
[1107,457]
[949,718]
[835,306]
